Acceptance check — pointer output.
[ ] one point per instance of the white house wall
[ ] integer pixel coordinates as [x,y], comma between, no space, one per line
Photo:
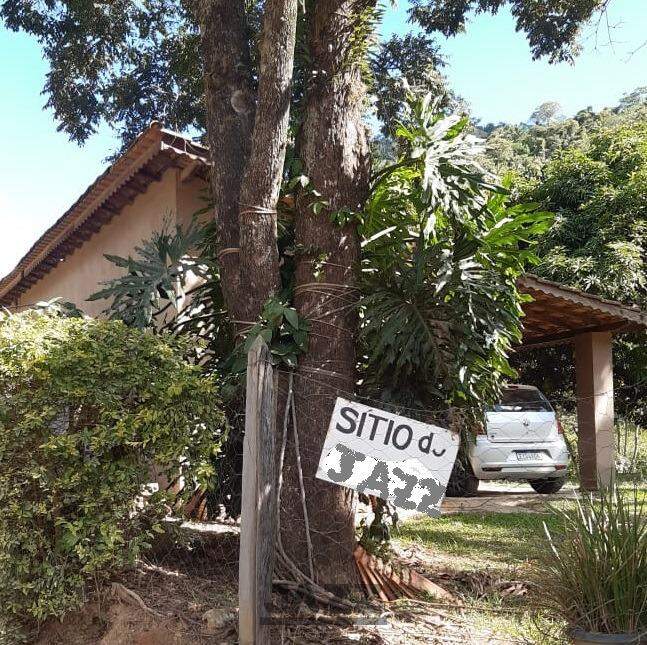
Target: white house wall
[81,273]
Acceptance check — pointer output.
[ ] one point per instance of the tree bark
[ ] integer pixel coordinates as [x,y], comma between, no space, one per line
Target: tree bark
[230,105]
[246,179]
[335,153]
[259,257]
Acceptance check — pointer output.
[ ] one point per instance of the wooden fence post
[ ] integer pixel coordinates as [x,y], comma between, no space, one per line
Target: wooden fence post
[258,511]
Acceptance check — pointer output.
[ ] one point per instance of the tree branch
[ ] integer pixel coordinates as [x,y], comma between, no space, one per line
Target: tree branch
[259,259]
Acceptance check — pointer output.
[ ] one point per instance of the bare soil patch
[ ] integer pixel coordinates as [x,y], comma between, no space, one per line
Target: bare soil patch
[188,594]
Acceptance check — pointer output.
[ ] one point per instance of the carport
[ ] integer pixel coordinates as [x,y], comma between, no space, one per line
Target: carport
[560,314]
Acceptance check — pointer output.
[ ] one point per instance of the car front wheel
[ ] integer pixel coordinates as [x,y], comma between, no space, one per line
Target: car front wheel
[547,486]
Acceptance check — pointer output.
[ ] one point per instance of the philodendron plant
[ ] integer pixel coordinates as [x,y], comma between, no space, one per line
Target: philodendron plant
[593,573]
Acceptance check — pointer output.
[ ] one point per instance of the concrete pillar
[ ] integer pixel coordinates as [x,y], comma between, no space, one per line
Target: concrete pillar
[594,383]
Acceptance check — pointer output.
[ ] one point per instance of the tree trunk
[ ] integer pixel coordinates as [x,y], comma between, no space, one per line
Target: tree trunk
[247,163]
[246,179]
[230,116]
[335,153]
[259,256]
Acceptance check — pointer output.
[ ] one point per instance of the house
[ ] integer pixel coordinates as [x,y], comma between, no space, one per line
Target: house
[162,178]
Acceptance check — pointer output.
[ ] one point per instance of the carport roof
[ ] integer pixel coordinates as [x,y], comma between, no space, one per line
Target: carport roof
[559,313]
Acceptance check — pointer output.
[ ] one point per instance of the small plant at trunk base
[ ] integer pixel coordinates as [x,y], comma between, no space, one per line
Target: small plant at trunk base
[593,570]
[87,408]
[375,536]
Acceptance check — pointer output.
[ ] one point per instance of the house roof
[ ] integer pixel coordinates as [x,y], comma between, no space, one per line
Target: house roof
[144,162]
[558,313]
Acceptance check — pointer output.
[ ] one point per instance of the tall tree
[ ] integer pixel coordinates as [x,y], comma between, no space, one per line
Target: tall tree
[127,62]
[334,151]
[230,101]
[247,133]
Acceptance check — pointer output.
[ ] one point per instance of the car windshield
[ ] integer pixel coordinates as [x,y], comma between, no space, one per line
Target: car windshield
[522,400]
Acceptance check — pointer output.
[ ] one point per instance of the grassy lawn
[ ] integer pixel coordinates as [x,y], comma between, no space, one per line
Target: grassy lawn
[504,539]
[479,555]
[487,553]
[487,559]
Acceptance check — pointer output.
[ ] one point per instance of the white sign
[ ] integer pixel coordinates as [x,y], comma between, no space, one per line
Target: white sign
[378,453]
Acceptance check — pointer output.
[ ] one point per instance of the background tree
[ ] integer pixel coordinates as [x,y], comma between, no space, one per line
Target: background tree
[589,170]
[402,64]
[547,113]
[525,148]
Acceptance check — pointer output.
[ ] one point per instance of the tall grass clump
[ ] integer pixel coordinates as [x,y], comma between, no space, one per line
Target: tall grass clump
[594,572]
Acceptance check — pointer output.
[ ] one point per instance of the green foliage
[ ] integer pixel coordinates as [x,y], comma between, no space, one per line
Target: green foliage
[594,568]
[592,172]
[126,63]
[598,243]
[403,63]
[552,26]
[87,407]
[525,148]
[282,329]
[599,192]
[172,284]
[159,291]
[442,252]
[156,276]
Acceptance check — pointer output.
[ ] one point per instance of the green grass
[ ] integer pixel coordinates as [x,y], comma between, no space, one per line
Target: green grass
[501,544]
[494,539]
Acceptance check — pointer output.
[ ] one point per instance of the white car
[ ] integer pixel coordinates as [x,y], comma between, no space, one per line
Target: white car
[521,439]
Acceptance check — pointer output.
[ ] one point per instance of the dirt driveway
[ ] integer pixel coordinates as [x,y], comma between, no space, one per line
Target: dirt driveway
[505,497]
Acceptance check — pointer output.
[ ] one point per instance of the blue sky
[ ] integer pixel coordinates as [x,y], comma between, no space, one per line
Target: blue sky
[42,173]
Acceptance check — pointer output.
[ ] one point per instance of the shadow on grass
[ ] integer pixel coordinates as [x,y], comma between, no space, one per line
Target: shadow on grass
[508,538]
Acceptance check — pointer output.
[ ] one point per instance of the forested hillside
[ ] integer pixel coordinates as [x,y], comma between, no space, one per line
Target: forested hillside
[591,171]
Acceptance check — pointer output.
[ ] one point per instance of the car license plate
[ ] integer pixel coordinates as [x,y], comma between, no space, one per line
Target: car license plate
[529,456]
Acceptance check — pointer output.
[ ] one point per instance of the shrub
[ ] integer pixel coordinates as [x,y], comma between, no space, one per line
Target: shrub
[86,407]
[593,571]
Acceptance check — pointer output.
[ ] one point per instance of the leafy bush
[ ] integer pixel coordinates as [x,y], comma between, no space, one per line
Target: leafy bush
[86,407]
[441,256]
[593,572]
